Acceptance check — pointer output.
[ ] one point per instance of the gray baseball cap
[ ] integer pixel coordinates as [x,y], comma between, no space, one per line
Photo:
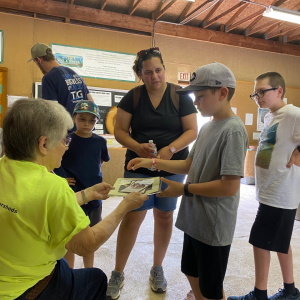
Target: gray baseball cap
[212,75]
[39,50]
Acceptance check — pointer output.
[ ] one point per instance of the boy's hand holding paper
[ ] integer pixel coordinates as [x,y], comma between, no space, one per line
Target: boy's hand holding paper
[174,189]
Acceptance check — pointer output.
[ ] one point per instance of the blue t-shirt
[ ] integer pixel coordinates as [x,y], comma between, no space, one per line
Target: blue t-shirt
[82,161]
[65,86]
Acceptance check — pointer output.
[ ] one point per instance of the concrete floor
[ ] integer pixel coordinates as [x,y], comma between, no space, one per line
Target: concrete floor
[240,272]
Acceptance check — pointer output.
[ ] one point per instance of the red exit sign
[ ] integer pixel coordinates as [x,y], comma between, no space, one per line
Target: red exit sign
[184,76]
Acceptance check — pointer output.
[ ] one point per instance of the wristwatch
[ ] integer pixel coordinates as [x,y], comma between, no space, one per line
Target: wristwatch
[186,190]
[173,150]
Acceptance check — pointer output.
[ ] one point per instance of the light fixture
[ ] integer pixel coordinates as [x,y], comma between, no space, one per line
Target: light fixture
[282,14]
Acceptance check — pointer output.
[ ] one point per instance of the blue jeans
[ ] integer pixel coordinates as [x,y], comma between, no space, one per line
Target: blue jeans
[71,284]
[166,204]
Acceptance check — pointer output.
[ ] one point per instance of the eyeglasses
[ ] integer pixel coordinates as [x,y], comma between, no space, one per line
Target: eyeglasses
[261,93]
[67,141]
[142,53]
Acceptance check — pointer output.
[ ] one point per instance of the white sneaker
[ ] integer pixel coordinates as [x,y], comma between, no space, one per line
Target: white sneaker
[189,296]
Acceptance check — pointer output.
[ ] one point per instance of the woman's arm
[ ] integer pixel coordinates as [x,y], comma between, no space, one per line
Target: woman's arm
[172,166]
[190,131]
[90,239]
[98,191]
[122,125]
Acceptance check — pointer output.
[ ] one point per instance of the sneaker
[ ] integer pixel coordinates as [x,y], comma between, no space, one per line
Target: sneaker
[189,296]
[114,285]
[158,280]
[249,296]
[282,295]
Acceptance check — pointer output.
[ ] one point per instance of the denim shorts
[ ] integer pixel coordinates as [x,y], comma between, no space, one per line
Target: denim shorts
[166,204]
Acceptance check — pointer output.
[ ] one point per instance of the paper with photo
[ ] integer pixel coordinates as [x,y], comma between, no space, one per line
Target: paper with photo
[147,186]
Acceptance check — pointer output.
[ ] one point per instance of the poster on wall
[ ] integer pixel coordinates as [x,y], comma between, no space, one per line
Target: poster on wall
[260,118]
[94,63]
[1,46]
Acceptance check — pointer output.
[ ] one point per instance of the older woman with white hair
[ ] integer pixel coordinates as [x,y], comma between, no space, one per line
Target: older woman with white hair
[40,216]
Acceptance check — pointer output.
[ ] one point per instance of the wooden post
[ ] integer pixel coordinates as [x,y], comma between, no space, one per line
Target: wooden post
[3,92]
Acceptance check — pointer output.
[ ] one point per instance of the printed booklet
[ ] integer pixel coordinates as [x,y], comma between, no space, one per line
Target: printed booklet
[147,186]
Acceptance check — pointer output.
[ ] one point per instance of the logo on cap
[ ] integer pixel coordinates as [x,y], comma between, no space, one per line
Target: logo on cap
[193,77]
[218,82]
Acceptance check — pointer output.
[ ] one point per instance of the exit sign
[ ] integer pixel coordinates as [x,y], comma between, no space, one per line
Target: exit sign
[184,76]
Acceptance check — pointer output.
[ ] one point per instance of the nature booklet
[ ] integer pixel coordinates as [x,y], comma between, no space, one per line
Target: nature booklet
[147,186]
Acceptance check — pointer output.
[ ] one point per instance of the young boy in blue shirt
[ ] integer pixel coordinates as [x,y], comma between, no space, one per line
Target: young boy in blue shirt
[82,163]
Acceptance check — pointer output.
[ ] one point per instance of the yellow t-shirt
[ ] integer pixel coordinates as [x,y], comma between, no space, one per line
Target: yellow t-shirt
[39,214]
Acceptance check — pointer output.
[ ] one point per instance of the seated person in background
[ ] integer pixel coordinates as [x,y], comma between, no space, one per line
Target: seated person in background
[40,216]
[82,164]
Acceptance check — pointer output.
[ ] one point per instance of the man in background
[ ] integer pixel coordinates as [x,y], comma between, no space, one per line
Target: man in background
[59,83]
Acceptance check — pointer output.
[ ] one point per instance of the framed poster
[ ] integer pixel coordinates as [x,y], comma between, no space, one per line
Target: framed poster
[1,46]
[260,118]
[94,63]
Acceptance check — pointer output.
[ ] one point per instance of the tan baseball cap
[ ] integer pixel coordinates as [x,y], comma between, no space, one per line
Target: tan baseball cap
[38,50]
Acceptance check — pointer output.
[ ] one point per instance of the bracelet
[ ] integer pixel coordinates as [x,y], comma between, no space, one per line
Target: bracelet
[154,161]
[84,197]
[186,190]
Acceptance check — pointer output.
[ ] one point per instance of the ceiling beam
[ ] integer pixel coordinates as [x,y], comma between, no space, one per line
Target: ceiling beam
[278,24]
[124,21]
[213,36]
[248,29]
[133,6]
[164,10]
[190,15]
[263,27]
[237,14]
[103,3]
[283,31]
[215,19]
[184,12]
[211,12]
[67,20]
[293,38]
[254,15]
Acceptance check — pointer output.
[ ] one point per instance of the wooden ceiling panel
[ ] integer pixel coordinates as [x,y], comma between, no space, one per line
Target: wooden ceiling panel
[233,17]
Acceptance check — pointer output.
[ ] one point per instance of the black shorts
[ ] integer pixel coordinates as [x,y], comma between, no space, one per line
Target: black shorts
[207,262]
[94,215]
[272,228]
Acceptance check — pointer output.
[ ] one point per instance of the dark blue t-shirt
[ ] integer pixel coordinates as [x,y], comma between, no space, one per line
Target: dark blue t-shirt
[65,86]
[82,161]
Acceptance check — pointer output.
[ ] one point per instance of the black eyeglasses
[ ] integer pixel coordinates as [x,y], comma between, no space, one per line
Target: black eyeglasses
[261,93]
[142,53]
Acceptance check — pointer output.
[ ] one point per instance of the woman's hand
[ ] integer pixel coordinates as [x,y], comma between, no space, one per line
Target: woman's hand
[164,153]
[71,181]
[139,163]
[144,151]
[98,191]
[134,200]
